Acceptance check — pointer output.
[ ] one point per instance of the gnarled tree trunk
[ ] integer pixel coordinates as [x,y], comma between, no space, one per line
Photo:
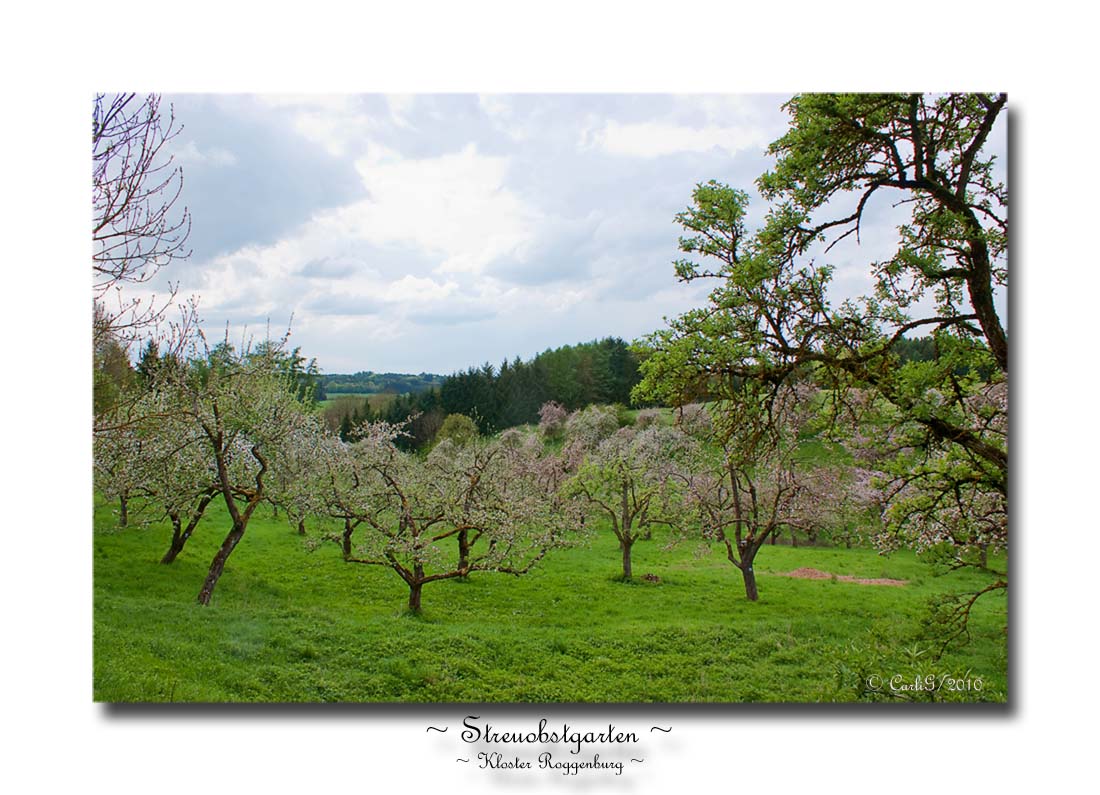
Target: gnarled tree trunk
[180,534]
[218,564]
[463,551]
[416,585]
[178,540]
[345,539]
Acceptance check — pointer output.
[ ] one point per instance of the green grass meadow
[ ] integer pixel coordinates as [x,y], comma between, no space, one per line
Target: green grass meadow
[292,625]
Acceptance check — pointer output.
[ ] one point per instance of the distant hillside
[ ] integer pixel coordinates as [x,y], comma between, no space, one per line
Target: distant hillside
[368,383]
[600,371]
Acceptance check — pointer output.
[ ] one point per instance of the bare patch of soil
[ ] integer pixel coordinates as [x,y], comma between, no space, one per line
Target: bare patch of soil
[817,574]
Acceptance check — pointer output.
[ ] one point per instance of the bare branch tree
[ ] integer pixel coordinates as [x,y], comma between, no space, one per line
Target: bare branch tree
[136,229]
[491,497]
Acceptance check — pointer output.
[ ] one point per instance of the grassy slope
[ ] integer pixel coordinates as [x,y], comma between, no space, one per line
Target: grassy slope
[292,625]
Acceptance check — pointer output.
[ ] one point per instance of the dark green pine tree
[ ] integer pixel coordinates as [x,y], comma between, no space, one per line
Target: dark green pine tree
[148,364]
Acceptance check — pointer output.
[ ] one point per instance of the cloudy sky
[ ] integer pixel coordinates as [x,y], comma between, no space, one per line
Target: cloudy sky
[434,232]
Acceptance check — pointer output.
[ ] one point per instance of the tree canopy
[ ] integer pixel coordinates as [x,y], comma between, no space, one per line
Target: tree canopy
[771,320]
[496,398]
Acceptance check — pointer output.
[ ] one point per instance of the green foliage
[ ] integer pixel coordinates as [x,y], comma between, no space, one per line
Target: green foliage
[232,424]
[599,372]
[458,428]
[345,413]
[112,374]
[304,376]
[755,312]
[929,415]
[422,414]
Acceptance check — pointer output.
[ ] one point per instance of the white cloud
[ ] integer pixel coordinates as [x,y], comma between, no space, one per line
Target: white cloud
[338,122]
[497,237]
[337,133]
[413,289]
[499,110]
[449,216]
[214,155]
[455,208]
[657,138]
[401,107]
[495,106]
